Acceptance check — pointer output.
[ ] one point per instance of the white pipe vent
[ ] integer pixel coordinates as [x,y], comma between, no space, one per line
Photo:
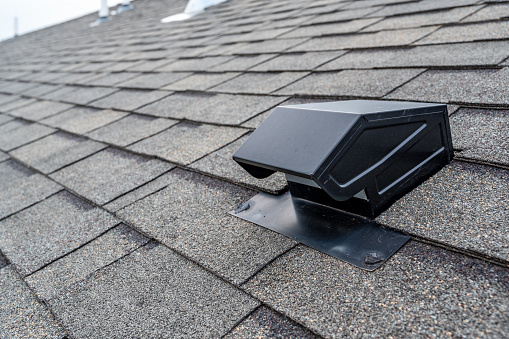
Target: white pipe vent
[194,7]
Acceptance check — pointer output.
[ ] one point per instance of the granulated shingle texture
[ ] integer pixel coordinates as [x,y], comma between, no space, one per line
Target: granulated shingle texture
[3,156]
[198,64]
[21,134]
[76,266]
[200,226]
[242,63]
[464,206]
[4,118]
[152,292]
[297,61]
[214,108]
[129,100]
[467,54]
[79,95]
[40,110]
[50,229]
[108,174]
[82,119]
[462,86]
[55,151]
[130,129]
[154,80]
[185,143]
[221,164]
[7,108]
[490,12]
[259,83]
[21,188]
[23,316]
[472,32]
[363,83]
[421,290]
[330,29]
[482,134]
[264,323]
[201,82]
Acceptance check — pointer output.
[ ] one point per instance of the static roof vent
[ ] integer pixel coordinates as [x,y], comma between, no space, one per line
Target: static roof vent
[356,156]
[194,7]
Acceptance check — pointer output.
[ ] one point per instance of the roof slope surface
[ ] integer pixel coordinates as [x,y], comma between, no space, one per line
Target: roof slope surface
[116,175]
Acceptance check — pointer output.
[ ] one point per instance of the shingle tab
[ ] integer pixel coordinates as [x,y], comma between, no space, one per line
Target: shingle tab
[221,164]
[363,83]
[270,46]
[76,266]
[464,54]
[482,134]
[259,83]
[152,292]
[185,143]
[265,323]
[108,174]
[5,108]
[421,290]
[464,206]
[461,86]
[129,100]
[50,229]
[297,61]
[242,63]
[82,120]
[471,32]
[23,134]
[153,80]
[330,29]
[130,129]
[40,110]
[79,95]
[56,151]
[200,82]
[215,108]
[490,12]
[200,207]
[197,64]
[421,6]
[23,316]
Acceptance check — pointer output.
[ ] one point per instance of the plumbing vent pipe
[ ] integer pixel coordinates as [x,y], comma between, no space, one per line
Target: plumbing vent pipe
[125,6]
[104,13]
[194,7]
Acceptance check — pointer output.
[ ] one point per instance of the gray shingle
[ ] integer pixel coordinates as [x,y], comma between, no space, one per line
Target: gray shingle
[23,134]
[4,118]
[130,129]
[490,12]
[3,156]
[40,110]
[40,90]
[56,151]
[21,188]
[108,174]
[185,143]
[16,104]
[152,292]
[421,290]
[363,83]
[259,83]
[421,6]
[201,82]
[110,79]
[423,19]
[82,120]
[297,61]
[464,206]
[343,15]
[148,66]
[50,229]
[198,225]
[471,32]
[330,29]
[221,164]
[215,108]
[265,323]
[129,100]
[14,87]
[461,86]
[366,40]
[197,64]
[467,54]
[242,63]
[79,95]
[7,98]
[76,266]
[482,134]
[270,46]
[154,80]
[23,316]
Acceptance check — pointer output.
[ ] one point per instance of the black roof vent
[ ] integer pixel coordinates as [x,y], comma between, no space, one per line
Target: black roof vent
[359,156]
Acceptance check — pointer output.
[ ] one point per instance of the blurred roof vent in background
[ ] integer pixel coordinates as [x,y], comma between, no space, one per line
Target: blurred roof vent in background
[194,7]
[347,156]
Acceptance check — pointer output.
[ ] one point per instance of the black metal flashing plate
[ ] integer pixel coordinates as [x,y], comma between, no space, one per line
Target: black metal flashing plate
[358,241]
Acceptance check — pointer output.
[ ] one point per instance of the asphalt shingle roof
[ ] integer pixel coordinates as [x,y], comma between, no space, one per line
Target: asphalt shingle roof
[116,176]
